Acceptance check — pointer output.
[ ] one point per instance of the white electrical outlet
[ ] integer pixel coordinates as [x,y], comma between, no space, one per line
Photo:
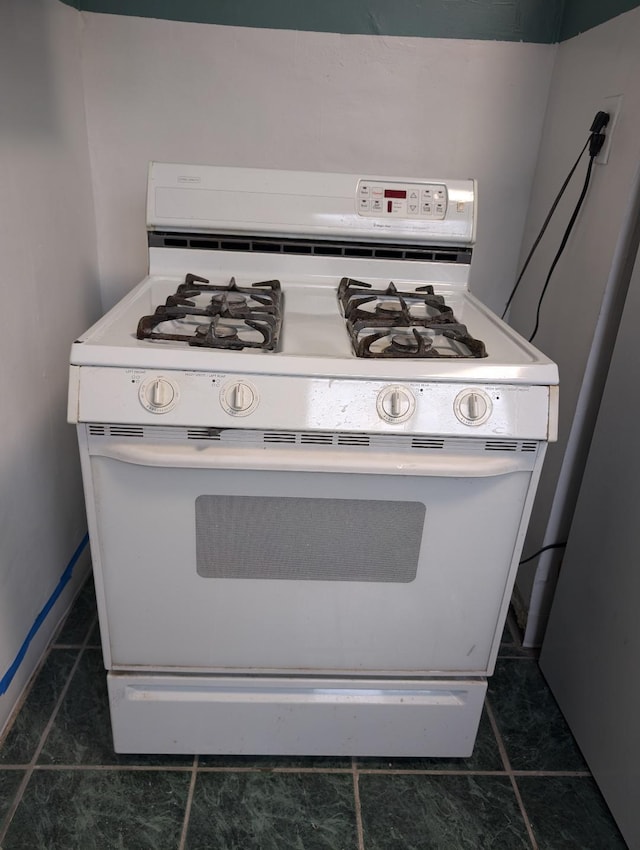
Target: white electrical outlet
[612,105]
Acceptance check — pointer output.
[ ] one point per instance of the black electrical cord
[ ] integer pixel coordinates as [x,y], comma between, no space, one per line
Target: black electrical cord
[544,549]
[543,228]
[594,143]
[563,243]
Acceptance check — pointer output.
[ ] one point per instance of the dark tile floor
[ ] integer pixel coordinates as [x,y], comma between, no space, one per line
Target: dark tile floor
[62,786]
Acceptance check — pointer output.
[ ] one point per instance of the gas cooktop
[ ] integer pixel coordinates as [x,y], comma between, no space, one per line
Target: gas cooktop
[312,337]
[253,273]
[381,323]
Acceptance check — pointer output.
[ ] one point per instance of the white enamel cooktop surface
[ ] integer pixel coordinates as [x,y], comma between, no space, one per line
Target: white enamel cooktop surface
[314,339]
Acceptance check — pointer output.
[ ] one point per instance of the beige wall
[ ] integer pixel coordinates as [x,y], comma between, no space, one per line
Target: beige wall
[319,101]
[48,280]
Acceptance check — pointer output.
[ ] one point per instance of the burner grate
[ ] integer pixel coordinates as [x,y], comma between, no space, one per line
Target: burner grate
[206,315]
[392,324]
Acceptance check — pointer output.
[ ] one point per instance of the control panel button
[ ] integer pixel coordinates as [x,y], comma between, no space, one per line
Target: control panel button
[158,394]
[239,398]
[395,404]
[472,407]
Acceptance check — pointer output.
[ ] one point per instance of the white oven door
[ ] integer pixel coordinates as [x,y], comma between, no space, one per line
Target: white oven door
[287,559]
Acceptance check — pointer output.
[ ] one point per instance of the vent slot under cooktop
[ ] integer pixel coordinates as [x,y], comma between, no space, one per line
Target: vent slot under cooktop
[315,439]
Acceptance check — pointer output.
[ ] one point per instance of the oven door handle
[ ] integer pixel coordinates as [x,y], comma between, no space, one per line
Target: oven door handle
[281,458]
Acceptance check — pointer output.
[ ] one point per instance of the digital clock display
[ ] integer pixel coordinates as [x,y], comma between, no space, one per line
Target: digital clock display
[395,193]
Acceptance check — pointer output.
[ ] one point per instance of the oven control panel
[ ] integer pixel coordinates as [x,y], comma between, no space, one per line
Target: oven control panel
[218,400]
[379,199]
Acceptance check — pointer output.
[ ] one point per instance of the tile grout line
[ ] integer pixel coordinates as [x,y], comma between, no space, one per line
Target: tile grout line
[187,810]
[30,767]
[356,795]
[563,774]
[258,769]
[116,766]
[363,771]
[507,765]
[434,772]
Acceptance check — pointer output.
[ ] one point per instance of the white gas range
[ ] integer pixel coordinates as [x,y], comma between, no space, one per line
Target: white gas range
[309,458]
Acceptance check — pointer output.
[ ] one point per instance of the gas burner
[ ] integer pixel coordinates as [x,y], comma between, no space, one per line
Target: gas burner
[420,307]
[386,307]
[442,341]
[229,300]
[234,317]
[219,331]
[406,342]
[389,323]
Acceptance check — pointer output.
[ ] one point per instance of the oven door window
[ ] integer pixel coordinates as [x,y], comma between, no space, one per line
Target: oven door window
[280,537]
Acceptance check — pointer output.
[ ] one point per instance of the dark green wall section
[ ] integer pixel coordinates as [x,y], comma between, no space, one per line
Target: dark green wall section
[542,21]
[581,15]
[499,20]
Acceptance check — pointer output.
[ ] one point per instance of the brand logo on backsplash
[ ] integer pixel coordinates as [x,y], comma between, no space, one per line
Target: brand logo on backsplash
[189,178]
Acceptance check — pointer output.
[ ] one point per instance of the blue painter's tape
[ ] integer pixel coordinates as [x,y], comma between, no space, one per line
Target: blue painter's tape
[64,579]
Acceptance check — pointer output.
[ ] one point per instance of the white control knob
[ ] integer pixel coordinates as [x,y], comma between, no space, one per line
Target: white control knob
[472,407]
[395,404]
[239,398]
[158,395]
